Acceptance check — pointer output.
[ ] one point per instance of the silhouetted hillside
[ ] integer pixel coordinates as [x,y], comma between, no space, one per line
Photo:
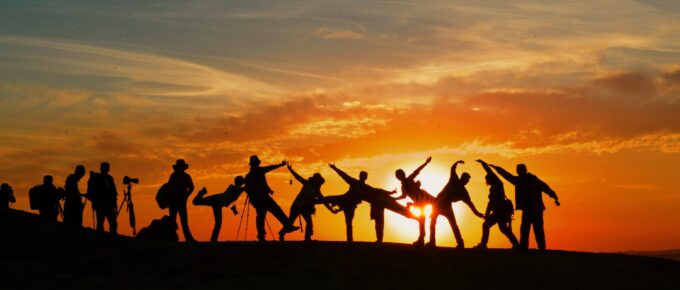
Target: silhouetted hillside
[58,257]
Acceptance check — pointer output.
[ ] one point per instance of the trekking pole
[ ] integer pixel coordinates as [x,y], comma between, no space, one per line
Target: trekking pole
[270,228]
[238,231]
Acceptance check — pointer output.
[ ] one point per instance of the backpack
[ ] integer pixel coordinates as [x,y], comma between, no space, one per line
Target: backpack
[35,198]
[92,187]
[163,196]
[507,210]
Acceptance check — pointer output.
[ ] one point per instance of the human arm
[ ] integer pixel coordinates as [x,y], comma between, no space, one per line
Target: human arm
[488,170]
[420,168]
[507,175]
[549,191]
[454,167]
[273,167]
[295,174]
[348,179]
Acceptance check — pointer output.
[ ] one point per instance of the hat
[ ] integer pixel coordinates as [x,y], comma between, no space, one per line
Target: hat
[180,164]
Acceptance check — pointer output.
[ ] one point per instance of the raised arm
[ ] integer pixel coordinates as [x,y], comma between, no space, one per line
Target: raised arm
[420,168]
[342,174]
[273,167]
[507,175]
[454,167]
[488,169]
[296,175]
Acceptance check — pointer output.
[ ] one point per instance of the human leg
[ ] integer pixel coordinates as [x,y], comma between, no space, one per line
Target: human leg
[217,214]
[309,226]
[349,217]
[537,221]
[184,220]
[524,229]
[507,231]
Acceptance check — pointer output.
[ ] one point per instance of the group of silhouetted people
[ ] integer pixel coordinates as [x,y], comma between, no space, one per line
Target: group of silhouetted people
[499,211]
[174,195]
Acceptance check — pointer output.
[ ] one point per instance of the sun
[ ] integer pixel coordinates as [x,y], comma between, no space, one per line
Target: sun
[400,229]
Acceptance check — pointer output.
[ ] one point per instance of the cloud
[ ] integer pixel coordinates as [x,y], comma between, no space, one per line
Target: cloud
[337,34]
[142,73]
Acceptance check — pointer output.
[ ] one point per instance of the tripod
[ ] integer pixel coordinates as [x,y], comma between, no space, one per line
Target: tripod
[127,200]
[246,210]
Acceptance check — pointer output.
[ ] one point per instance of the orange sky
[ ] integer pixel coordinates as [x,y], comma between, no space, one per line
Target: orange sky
[586,94]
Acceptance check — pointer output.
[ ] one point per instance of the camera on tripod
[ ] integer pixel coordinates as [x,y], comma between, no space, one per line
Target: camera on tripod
[128,180]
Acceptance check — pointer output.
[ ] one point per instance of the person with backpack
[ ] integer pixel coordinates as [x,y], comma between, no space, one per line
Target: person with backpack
[102,192]
[6,196]
[180,186]
[499,210]
[73,204]
[218,201]
[529,199]
[305,202]
[260,193]
[45,198]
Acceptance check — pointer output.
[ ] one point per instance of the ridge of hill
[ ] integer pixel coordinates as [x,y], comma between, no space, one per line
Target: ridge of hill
[41,255]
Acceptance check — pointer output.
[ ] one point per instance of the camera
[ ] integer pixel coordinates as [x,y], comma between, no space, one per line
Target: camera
[128,180]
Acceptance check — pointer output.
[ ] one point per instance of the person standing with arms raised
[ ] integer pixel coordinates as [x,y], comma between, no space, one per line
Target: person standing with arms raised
[260,193]
[420,198]
[180,186]
[529,199]
[498,211]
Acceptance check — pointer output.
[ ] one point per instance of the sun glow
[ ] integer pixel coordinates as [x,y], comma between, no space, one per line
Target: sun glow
[433,178]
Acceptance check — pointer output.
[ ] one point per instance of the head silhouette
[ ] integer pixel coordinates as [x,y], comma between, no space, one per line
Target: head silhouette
[318,179]
[47,179]
[488,179]
[6,187]
[465,178]
[239,180]
[104,167]
[521,169]
[363,176]
[255,161]
[180,165]
[400,174]
[80,171]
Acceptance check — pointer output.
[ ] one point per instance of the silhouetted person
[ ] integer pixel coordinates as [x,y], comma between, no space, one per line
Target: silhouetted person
[347,203]
[220,200]
[529,200]
[49,199]
[498,211]
[104,196]
[379,199]
[163,229]
[180,186]
[420,198]
[305,202]
[6,196]
[73,204]
[453,191]
[260,196]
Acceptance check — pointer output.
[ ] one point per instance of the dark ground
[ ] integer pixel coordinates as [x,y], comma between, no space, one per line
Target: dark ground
[58,257]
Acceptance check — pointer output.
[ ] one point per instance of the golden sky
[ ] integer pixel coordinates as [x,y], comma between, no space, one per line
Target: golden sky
[586,93]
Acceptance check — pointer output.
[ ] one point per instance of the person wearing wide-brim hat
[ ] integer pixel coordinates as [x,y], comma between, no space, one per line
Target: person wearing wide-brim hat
[180,187]
[260,196]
